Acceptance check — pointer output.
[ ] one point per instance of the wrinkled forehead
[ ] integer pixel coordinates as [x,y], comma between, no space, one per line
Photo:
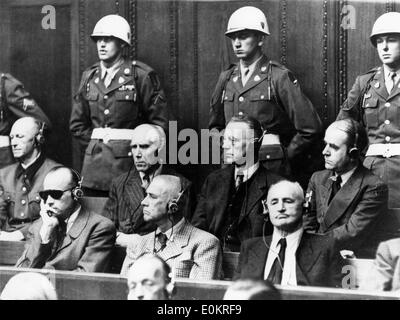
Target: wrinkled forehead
[284,190]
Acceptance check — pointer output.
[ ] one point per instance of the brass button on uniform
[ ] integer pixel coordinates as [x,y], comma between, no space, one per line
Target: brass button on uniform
[106,112]
[241,99]
[387,139]
[387,121]
[23,202]
[105,97]
[387,104]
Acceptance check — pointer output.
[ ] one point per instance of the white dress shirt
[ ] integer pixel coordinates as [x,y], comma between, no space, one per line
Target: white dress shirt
[111,72]
[345,176]
[289,266]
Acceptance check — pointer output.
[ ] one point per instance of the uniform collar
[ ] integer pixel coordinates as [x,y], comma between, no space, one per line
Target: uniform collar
[112,71]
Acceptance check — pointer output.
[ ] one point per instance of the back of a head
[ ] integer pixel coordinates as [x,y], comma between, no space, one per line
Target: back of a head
[29,286]
[252,289]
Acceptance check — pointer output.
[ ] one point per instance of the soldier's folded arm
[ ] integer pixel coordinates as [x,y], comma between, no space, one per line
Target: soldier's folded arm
[80,123]
[301,112]
[350,108]
[20,102]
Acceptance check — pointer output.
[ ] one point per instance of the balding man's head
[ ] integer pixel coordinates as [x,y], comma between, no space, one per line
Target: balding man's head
[148,279]
[29,286]
[147,145]
[160,192]
[24,145]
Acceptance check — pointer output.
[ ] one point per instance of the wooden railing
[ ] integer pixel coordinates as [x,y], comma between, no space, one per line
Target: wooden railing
[100,286]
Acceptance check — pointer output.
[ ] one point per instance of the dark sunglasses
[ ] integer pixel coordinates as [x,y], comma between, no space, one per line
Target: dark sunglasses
[55,194]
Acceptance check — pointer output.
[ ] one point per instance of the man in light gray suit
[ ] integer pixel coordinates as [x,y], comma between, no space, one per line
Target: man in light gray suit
[189,251]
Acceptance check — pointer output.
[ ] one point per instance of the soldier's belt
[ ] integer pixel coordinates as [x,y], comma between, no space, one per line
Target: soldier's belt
[271,138]
[107,134]
[4,141]
[385,150]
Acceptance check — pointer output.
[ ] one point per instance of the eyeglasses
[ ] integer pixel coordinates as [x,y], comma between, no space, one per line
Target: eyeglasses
[55,194]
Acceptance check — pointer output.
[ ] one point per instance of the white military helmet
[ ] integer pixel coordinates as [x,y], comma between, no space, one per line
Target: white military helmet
[247,18]
[387,23]
[113,25]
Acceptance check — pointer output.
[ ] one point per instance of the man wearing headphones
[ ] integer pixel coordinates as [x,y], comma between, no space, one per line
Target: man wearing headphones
[190,252]
[230,200]
[128,190]
[347,201]
[149,278]
[67,237]
[20,182]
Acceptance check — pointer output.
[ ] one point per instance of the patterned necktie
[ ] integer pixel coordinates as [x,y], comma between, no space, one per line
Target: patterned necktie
[162,239]
[275,275]
[335,187]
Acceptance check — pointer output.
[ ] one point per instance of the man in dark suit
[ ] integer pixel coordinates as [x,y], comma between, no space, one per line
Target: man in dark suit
[291,256]
[67,237]
[129,189]
[347,201]
[230,200]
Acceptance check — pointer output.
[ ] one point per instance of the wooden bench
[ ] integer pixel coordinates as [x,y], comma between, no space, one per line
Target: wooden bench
[99,286]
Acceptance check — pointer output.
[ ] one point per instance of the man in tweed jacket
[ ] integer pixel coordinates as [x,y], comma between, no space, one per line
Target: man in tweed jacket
[189,251]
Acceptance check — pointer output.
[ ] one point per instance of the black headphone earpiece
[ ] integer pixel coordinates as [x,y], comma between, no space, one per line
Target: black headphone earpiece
[173,204]
[353,151]
[39,138]
[77,192]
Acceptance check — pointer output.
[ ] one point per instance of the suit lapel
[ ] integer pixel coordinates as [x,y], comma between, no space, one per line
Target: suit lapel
[225,177]
[326,189]
[258,257]
[306,256]
[76,229]
[378,84]
[343,199]
[256,193]
[180,240]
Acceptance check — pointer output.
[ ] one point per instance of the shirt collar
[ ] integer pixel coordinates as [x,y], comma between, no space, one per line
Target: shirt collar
[69,222]
[152,174]
[30,169]
[112,70]
[175,229]
[291,239]
[250,67]
[247,173]
[387,72]
[345,176]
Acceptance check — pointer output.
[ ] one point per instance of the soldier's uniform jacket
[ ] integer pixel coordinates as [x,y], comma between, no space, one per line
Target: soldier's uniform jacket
[19,194]
[369,102]
[273,96]
[134,97]
[15,103]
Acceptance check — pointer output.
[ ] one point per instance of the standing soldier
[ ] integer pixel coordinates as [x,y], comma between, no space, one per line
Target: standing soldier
[374,100]
[267,91]
[15,103]
[115,95]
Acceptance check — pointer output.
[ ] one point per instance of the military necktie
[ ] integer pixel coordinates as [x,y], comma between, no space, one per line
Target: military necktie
[107,79]
[392,82]
[246,72]
[336,185]
[275,275]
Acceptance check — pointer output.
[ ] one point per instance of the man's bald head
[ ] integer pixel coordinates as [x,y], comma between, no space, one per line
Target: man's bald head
[169,184]
[22,136]
[148,278]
